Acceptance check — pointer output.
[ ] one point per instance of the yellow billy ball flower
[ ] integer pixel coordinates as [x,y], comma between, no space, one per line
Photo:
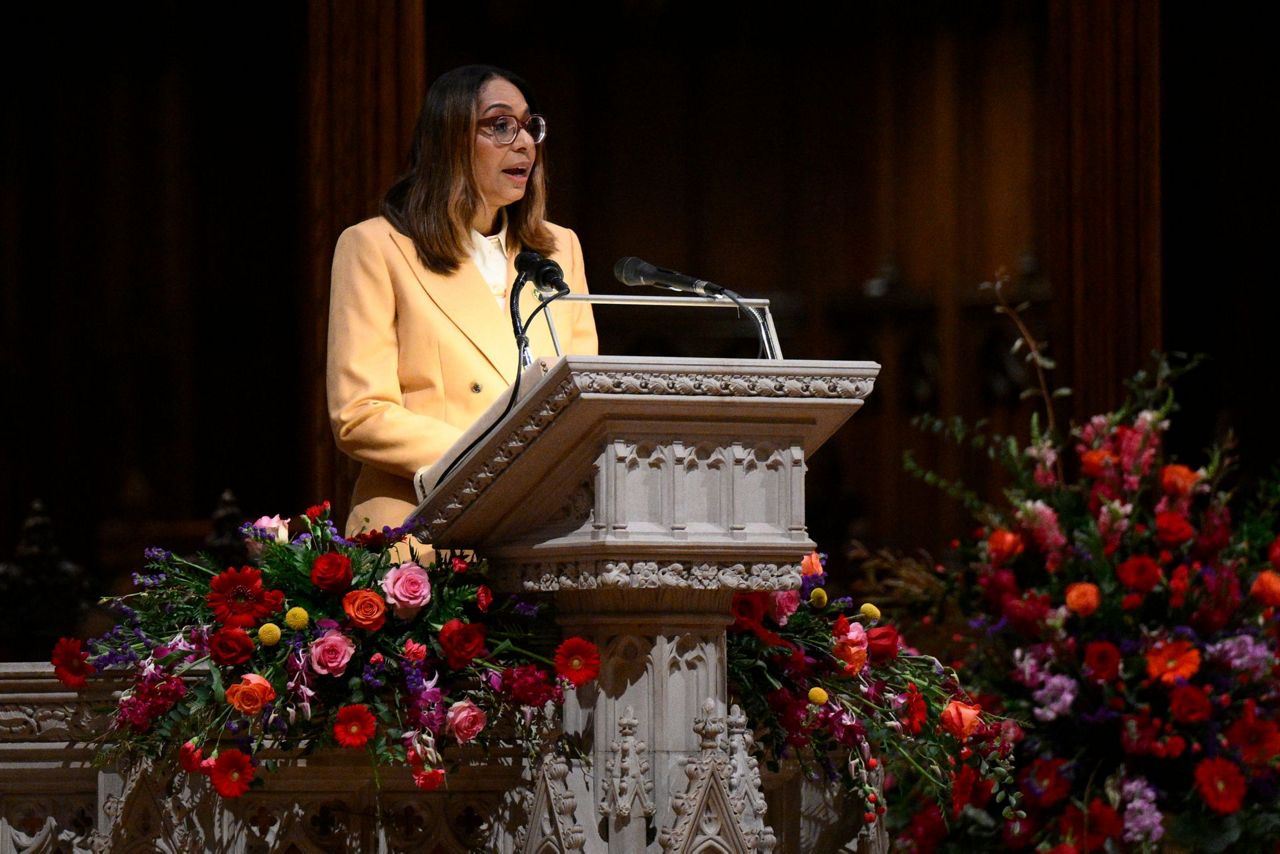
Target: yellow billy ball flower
[818,598]
[818,697]
[297,619]
[269,634]
[871,612]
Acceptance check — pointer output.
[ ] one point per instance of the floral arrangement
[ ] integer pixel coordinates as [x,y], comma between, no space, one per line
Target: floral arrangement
[837,689]
[324,641]
[1120,611]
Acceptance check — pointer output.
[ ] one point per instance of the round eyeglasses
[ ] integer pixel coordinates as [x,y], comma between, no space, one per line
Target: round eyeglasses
[505,128]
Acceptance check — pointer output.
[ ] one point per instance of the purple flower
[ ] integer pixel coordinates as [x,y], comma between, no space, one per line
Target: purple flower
[156,555]
[526,609]
[1244,654]
[1142,819]
[1055,697]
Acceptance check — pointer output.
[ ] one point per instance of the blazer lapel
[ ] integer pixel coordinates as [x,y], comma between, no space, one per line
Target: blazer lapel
[467,301]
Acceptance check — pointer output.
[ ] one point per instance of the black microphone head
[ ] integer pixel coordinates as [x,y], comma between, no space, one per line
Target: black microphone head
[526,261]
[633,271]
[549,276]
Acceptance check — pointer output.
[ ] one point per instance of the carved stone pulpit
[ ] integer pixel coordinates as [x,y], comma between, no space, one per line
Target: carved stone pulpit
[642,493]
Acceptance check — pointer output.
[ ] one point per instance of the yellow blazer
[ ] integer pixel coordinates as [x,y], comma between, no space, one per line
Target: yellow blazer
[415,357]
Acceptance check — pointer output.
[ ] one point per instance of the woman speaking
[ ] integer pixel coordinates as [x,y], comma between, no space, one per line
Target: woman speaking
[420,341]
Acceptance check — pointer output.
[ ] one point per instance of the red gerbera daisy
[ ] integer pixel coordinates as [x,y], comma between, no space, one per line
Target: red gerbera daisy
[71,663]
[578,660]
[231,773]
[1221,785]
[239,600]
[354,725]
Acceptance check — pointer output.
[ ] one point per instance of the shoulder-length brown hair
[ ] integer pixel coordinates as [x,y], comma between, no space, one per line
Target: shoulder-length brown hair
[435,201]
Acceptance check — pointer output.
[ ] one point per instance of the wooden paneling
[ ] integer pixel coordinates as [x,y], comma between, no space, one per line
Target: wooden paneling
[1103,173]
[365,80]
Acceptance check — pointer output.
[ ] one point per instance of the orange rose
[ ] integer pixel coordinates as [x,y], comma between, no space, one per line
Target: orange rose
[1178,480]
[1083,598]
[811,565]
[1266,588]
[1097,462]
[250,694]
[366,609]
[960,719]
[1003,546]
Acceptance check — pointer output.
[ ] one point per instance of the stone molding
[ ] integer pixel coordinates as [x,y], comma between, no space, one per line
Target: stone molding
[691,573]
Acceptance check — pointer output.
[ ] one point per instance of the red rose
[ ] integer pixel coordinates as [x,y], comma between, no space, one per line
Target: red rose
[331,572]
[749,609]
[1188,704]
[230,646]
[1139,573]
[462,642]
[1102,660]
[1173,529]
[1003,546]
[484,598]
[365,609]
[1221,785]
[71,663]
[882,644]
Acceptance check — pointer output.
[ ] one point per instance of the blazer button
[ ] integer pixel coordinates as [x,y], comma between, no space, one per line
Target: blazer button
[476,388]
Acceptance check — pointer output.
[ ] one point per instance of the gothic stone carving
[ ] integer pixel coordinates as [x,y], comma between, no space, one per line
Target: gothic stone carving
[720,808]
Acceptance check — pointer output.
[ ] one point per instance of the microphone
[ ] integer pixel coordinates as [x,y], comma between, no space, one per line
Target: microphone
[635,272]
[526,261]
[548,278]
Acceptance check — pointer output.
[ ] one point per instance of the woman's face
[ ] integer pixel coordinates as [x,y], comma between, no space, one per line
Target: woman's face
[501,171]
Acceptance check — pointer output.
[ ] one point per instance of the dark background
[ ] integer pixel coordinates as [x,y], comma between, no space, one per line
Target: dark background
[173,180]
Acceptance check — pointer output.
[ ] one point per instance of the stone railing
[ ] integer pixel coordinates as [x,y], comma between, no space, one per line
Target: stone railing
[53,798]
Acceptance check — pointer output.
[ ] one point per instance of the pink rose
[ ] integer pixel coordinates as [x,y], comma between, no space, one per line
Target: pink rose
[782,604]
[465,720]
[407,589]
[330,653]
[414,651]
[274,526]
